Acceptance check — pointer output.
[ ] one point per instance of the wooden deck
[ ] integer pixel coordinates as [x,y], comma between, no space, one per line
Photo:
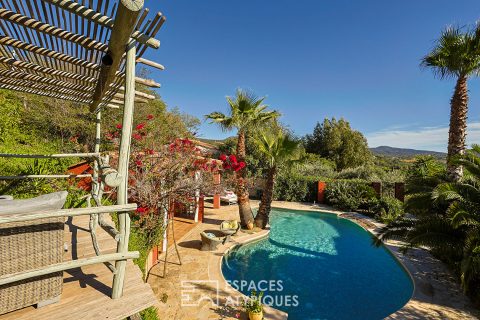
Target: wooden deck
[86,291]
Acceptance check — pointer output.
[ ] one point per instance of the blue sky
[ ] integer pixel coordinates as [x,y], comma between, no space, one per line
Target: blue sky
[315,59]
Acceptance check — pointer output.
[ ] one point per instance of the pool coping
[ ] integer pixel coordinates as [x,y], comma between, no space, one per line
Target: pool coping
[415,305]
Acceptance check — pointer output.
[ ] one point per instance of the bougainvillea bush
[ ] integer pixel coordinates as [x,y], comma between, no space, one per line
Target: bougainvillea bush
[160,175]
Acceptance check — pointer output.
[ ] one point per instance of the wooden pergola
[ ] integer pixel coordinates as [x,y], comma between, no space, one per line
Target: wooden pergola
[84,51]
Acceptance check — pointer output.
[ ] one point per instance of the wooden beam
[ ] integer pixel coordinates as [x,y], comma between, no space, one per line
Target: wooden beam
[150,63]
[140,94]
[102,20]
[53,155]
[46,176]
[62,266]
[125,19]
[45,28]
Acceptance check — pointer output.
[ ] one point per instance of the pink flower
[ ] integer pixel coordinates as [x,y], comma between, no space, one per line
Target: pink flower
[232,158]
[140,126]
[237,315]
[150,117]
[136,136]
[119,126]
[223,157]
[109,136]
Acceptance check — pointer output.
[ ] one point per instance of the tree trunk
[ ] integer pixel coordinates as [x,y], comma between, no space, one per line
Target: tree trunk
[245,211]
[261,220]
[458,127]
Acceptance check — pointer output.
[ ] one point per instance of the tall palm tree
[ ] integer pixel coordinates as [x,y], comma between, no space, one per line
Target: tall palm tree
[247,112]
[451,228]
[279,149]
[456,55]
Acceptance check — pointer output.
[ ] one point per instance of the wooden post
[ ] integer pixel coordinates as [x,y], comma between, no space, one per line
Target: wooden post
[400,191]
[125,19]
[197,197]
[377,186]
[321,191]
[123,161]
[216,196]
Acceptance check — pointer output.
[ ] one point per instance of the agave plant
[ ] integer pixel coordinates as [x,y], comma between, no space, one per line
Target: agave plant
[451,227]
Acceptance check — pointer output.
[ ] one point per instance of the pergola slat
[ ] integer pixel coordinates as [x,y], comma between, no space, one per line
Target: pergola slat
[36,30]
[50,94]
[8,41]
[62,84]
[102,20]
[45,28]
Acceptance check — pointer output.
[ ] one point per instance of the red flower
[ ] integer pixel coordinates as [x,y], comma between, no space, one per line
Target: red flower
[109,136]
[223,157]
[242,165]
[119,126]
[150,117]
[139,163]
[141,210]
[136,136]
[232,158]
[149,151]
[227,166]
[140,126]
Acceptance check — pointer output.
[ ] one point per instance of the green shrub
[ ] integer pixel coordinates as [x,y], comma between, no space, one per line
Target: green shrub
[296,188]
[149,314]
[349,194]
[386,209]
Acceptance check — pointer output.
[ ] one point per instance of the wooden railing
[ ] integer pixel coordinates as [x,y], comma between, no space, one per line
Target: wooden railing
[122,253]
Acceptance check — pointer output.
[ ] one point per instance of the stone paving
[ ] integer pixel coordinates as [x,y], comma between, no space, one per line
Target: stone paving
[437,293]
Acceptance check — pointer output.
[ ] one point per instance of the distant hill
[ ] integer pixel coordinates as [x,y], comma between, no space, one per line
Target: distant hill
[405,153]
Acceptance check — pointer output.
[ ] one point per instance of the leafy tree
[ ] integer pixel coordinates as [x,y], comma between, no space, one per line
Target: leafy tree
[456,55]
[447,217]
[247,112]
[278,148]
[337,141]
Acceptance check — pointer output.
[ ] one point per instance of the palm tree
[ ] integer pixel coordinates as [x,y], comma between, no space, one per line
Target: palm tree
[247,112]
[456,55]
[452,228]
[279,149]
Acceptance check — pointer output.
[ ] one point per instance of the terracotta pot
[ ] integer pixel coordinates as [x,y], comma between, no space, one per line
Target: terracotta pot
[255,315]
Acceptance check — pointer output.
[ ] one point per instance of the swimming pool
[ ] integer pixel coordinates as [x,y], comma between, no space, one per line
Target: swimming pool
[327,263]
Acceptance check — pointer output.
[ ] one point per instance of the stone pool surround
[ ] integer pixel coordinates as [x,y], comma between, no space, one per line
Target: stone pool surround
[436,294]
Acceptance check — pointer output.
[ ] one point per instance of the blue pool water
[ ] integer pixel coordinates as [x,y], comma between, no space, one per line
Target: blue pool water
[328,263]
